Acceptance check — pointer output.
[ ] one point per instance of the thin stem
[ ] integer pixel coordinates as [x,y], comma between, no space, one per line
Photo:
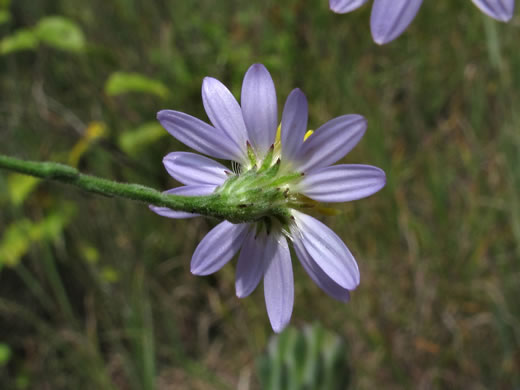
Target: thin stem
[218,205]
[56,283]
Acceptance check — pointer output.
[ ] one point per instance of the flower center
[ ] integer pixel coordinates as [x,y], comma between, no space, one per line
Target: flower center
[264,185]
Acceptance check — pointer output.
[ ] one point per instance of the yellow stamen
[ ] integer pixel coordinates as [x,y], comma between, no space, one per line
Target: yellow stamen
[278,143]
[307,134]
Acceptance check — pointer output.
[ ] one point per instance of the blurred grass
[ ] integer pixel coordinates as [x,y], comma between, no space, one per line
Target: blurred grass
[109,302]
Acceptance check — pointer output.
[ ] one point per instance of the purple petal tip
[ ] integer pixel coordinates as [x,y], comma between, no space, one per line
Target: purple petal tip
[279,327]
[162,115]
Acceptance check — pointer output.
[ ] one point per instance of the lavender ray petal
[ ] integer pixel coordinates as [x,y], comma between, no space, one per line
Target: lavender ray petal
[196,190]
[501,10]
[331,142]
[294,124]
[344,6]
[342,183]
[316,273]
[199,135]
[279,286]
[254,257]
[390,18]
[259,107]
[218,247]
[194,169]
[224,112]
[327,249]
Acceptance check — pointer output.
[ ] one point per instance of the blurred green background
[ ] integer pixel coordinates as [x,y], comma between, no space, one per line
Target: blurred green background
[96,293]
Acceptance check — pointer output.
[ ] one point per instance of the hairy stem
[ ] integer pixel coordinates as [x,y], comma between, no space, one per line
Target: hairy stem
[218,205]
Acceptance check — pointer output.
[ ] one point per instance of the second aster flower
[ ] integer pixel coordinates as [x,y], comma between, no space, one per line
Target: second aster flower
[293,164]
[390,18]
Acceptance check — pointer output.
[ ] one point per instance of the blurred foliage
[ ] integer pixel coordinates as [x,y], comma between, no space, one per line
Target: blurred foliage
[121,82]
[5,16]
[141,138]
[19,187]
[22,39]
[60,33]
[94,131]
[19,235]
[102,298]
[5,354]
[55,31]
[309,359]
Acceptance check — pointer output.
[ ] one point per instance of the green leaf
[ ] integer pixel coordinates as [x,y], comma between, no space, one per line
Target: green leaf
[22,39]
[20,186]
[18,237]
[60,33]
[5,16]
[133,141]
[5,354]
[15,243]
[49,229]
[122,82]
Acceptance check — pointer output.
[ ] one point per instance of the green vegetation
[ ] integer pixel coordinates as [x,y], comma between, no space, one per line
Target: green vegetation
[309,359]
[99,295]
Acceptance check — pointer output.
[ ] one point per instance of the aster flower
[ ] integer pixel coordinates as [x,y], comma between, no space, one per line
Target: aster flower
[290,169]
[390,18]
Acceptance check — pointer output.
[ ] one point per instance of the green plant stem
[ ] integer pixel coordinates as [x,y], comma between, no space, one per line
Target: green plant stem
[218,205]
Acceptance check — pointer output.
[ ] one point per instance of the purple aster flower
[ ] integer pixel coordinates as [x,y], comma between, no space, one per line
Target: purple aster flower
[293,164]
[390,18]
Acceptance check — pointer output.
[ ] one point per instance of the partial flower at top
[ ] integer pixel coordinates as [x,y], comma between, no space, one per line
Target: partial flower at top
[391,17]
[291,169]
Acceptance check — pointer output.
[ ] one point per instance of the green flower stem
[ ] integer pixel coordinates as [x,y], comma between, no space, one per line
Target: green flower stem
[218,205]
